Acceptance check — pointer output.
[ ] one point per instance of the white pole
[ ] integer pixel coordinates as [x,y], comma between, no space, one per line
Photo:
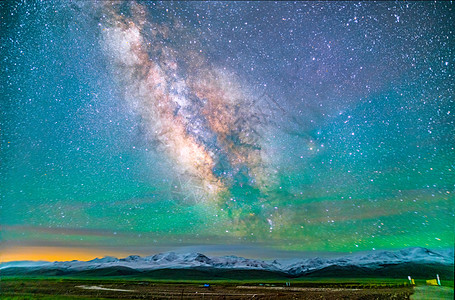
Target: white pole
[437,276]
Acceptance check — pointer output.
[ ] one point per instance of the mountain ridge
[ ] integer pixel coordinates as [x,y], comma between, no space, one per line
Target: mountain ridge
[421,260]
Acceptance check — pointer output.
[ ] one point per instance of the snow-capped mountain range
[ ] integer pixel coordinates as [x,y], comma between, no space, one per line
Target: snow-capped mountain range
[371,261]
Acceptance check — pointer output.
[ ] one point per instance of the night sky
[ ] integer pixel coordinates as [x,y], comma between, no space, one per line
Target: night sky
[263,129]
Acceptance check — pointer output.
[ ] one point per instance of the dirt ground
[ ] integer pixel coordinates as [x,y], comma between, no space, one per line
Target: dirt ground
[99,289]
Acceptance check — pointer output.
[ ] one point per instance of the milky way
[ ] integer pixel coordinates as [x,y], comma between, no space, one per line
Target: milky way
[274,128]
[198,113]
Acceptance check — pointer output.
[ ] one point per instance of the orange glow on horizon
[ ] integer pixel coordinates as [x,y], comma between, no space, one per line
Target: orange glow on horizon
[54,253]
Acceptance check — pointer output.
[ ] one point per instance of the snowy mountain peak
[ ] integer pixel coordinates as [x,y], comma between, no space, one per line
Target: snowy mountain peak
[106,259]
[132,258]
[169,256]
[373,260]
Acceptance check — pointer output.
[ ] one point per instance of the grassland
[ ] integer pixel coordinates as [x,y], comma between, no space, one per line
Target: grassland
[102,288]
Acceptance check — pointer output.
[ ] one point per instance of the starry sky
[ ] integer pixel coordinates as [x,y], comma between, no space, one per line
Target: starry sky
[263,129]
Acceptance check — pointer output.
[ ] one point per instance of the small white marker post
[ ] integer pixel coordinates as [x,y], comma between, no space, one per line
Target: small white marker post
[410,279]
[437,276]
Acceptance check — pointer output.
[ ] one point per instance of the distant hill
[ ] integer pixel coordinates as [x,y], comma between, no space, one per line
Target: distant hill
[417,262]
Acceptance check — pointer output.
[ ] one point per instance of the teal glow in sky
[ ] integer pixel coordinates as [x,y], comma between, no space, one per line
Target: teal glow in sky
[215,126]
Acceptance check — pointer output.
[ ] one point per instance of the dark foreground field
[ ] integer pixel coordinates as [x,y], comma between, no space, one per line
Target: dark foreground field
[28,288]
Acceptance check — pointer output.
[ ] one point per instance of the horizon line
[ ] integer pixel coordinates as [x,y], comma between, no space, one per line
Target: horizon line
[53,253]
